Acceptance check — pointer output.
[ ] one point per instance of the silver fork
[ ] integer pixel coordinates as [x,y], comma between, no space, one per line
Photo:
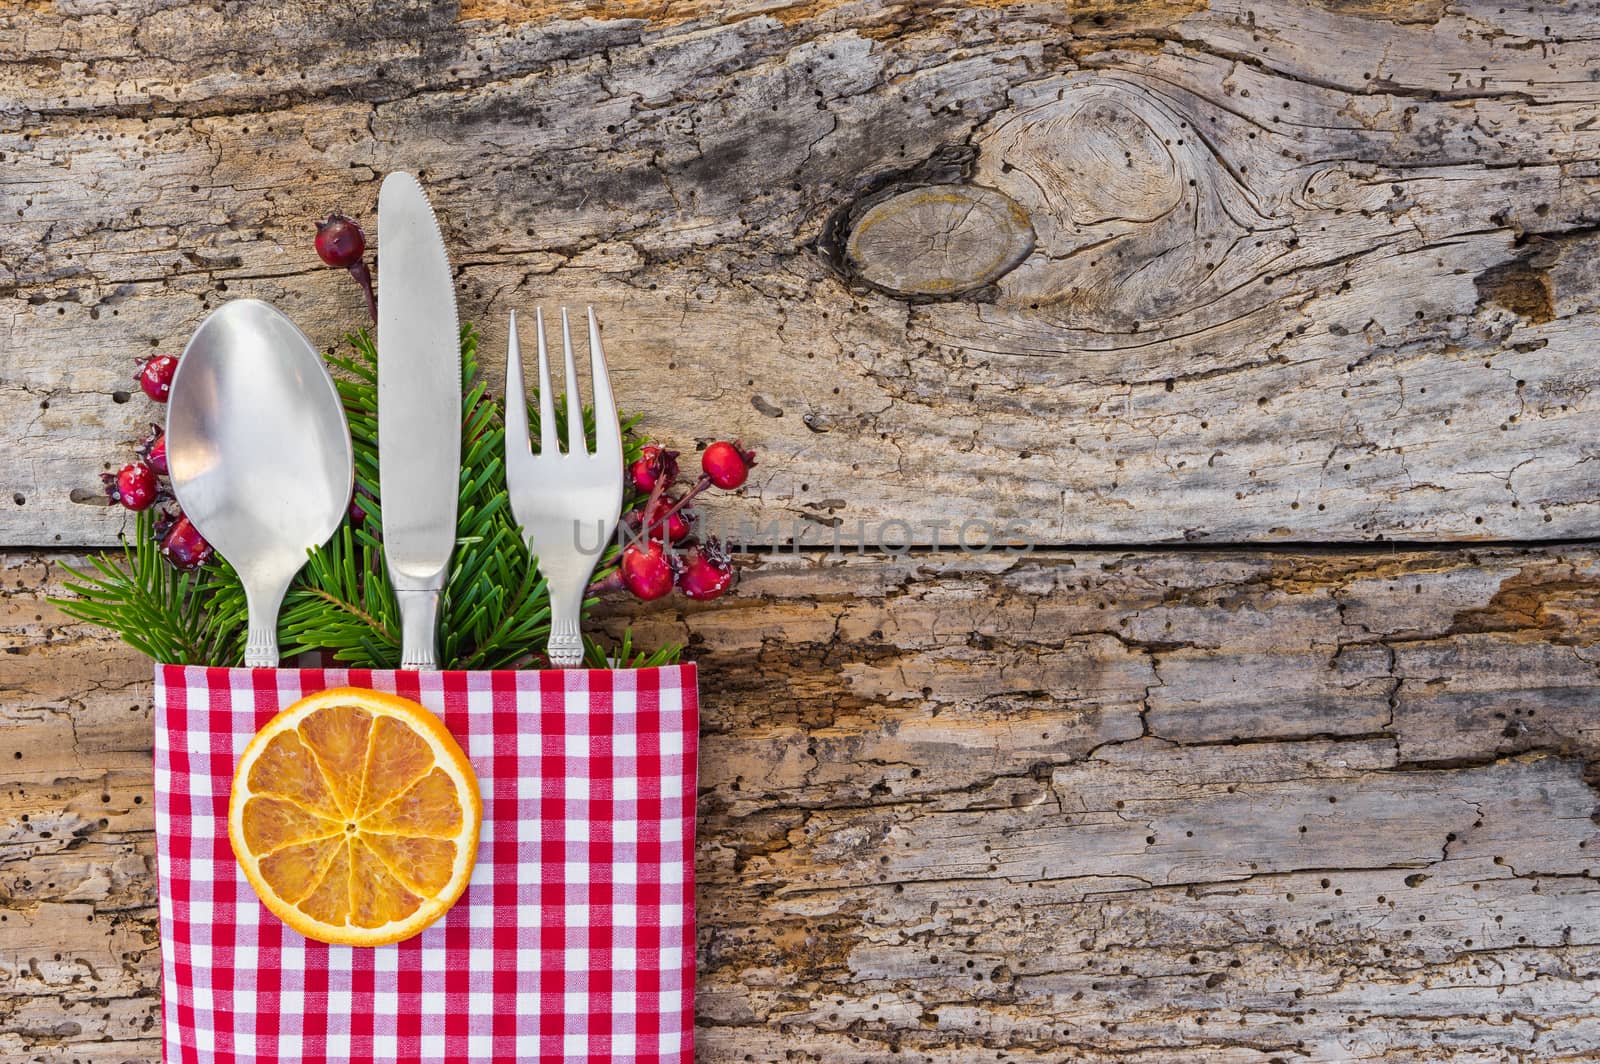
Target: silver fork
[567,503]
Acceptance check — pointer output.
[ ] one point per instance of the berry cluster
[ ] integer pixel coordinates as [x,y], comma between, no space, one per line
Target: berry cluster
[661,551]
[138,486]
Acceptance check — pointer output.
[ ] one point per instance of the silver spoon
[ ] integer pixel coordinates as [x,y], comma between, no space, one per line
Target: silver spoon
[259,453]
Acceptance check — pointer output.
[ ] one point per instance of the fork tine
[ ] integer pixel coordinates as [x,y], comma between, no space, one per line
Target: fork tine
[577,441]
[607,433]
[547,402]
[517,442]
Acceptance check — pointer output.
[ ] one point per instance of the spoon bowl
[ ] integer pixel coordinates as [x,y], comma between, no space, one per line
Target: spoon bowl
[259,453]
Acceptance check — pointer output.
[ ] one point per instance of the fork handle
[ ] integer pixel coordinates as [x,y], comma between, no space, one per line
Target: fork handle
[565,645]
[419,627]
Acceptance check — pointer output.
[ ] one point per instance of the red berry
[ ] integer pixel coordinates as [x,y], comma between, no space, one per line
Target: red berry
[678,524]
[654,463]
[156,377]
[727,464]
[358,511]
[707,572]
[340,241]
[184,547]
[645,570]
[134,486]
[154,450]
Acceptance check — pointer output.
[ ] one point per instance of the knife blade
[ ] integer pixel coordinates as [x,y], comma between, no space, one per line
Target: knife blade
[419,411]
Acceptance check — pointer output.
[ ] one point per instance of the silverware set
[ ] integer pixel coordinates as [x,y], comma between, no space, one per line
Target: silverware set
[261,460]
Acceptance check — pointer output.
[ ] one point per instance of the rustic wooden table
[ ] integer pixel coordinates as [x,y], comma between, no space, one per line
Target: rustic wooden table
[1272,323]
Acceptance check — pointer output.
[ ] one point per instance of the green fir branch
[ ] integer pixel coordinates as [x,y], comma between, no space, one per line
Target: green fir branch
[169,615]
[624,656]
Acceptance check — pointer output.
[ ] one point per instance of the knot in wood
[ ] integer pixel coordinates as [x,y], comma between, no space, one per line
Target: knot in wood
[939,241]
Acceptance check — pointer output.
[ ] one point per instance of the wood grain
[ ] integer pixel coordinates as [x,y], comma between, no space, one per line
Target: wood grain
[1302,271]
[1291,271]
[1102,806]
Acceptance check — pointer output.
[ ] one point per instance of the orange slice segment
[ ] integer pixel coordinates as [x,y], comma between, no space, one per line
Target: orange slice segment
[428,807]
[355,817]
[328,904]
[377,898]
[406,757]
[296,869]
[337,736]
[270,823]
[288,769]
[420,864]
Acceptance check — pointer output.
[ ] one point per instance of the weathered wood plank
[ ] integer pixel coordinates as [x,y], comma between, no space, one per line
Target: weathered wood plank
[1302,271]
[1147,806]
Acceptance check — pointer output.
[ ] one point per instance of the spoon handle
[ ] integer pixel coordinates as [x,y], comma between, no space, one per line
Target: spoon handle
[261,648]
[263,600]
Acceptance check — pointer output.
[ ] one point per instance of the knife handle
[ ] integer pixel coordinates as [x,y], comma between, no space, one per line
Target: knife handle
[419,627]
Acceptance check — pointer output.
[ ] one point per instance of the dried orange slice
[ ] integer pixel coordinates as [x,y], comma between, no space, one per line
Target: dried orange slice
[355,817]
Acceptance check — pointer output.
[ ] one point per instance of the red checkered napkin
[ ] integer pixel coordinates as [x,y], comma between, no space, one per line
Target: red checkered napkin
[574,940]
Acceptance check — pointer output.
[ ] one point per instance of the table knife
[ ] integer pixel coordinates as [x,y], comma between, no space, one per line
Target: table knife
[419,411]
